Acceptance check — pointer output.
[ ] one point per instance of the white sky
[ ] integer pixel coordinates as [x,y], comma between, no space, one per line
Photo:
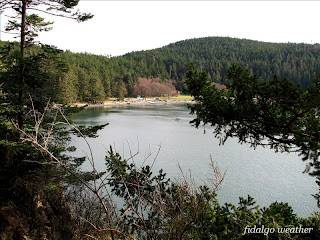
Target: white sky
[124,26]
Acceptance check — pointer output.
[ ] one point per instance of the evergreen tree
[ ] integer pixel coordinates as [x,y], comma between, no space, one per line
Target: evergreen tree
[96,87]
[68,87]
[28,29]
[121,90]
[84,85]
[107,86]
[28,80]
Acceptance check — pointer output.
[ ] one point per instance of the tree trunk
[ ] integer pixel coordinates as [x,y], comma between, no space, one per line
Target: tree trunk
[22,64]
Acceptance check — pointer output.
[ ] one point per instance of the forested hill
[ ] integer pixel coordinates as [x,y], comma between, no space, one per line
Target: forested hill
[297,62]
[93,78]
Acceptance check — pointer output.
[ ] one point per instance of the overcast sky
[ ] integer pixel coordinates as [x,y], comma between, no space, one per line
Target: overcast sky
[119,27]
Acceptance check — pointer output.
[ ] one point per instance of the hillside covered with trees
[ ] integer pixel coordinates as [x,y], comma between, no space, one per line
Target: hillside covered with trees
[92,78]
[214,55]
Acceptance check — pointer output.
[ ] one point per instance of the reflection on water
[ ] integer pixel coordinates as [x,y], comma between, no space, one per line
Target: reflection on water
[265,175]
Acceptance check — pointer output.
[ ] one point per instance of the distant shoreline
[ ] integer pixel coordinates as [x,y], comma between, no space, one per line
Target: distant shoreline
[133,102]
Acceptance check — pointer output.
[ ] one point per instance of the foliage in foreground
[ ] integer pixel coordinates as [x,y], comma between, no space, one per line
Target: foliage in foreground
[155,207]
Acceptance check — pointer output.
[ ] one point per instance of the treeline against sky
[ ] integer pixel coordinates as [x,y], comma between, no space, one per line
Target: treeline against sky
[214,55]
[93,78]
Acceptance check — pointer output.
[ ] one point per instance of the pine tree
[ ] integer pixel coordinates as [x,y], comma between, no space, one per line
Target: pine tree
[96,87]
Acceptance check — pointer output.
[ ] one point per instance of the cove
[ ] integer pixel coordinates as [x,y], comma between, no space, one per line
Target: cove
[164,139]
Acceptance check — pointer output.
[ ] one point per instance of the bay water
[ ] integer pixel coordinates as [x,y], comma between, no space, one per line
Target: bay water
[161,135]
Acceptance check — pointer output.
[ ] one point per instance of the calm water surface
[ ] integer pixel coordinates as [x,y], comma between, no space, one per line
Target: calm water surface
[265,175]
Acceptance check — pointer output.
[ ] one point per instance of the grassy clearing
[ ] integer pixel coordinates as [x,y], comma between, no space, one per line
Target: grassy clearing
[178,98]
[114,100]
